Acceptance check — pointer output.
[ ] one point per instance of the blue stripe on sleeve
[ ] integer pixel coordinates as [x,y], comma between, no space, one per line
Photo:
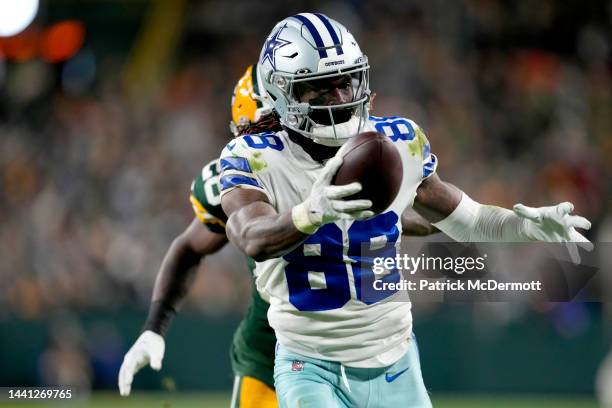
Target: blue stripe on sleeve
[233,180]
[430,166]
[382,118]
[315,34]
[332,32]
[235,163]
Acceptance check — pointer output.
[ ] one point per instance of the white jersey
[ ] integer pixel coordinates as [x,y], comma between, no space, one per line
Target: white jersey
[317,305]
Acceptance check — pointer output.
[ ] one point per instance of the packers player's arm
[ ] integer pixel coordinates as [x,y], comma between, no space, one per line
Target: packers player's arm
[173,281]
[413,224]
[177,272]
[463,219]
[204,236]
[256,228]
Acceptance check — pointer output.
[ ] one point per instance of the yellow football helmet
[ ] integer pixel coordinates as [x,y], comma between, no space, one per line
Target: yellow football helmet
[248,106]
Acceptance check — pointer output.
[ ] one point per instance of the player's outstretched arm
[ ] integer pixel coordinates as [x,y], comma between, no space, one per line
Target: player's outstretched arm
[413,224]
[262,233]
[173,282]
[463,219]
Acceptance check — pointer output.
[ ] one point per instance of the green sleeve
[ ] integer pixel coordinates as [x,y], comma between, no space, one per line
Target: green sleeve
[206,198]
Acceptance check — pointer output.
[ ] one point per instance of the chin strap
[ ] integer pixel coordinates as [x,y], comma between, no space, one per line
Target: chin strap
[336,135]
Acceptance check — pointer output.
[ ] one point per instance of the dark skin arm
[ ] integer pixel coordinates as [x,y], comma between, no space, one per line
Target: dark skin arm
[256,228]
[415,225]
[436,199]
[177,272]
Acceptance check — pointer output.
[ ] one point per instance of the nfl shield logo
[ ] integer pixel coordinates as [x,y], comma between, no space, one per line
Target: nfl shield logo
[297,365]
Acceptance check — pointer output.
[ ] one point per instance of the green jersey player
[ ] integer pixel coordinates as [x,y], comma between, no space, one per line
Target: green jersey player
[252,350]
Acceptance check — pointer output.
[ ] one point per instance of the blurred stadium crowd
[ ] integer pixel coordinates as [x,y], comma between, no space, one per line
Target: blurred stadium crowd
[95,171]
[94,176]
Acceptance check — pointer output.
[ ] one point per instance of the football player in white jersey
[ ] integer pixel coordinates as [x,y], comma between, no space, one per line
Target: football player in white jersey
[336,346]
[252,349]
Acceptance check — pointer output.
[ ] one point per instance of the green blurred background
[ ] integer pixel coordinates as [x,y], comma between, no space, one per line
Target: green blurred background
[464,355]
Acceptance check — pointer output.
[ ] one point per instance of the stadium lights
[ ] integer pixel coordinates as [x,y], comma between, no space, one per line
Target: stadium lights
[16,15]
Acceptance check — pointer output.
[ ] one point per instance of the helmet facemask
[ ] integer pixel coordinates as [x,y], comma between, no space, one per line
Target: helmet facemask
[326,124]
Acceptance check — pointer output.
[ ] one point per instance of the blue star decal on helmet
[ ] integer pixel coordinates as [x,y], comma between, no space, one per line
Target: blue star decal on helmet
[273,43]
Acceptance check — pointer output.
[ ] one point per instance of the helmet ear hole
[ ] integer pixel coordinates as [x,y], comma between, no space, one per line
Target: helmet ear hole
[292,120]
[280,82]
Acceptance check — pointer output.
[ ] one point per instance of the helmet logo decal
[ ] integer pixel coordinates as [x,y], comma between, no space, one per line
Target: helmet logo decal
[273,43]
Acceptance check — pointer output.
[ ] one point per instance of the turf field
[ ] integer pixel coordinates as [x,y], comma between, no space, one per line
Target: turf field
[176,400]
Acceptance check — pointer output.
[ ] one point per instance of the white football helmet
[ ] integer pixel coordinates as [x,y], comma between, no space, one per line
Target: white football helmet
[308,47]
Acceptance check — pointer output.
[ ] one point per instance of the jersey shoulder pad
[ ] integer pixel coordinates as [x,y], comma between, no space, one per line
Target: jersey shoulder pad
[206,198]
[404,130]
[246,158]
[249,144]
[396,127]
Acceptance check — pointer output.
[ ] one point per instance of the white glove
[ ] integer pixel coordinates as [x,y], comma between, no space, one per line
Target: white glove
[148,349]
[325,203]
[555,224]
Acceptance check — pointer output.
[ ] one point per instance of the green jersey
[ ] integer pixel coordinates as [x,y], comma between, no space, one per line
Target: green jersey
[252,350]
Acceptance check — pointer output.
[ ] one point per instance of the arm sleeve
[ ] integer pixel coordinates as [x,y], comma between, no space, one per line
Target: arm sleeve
[474,222]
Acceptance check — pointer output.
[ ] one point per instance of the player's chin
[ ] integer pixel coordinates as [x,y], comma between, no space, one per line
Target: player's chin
[322,117]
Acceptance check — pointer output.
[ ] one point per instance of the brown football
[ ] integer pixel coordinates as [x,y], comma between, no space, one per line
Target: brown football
[373,160]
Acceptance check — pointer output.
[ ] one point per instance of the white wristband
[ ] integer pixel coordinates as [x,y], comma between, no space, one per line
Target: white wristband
[301,219]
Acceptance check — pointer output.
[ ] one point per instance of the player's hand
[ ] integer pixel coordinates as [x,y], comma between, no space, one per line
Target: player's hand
[148,349]
[555,224]
[326,202]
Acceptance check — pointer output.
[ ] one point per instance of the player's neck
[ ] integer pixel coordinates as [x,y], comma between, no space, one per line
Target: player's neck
[317,151]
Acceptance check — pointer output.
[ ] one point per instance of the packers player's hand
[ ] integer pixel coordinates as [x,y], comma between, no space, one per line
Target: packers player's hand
[148,349]
[555,224]
[326,202]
